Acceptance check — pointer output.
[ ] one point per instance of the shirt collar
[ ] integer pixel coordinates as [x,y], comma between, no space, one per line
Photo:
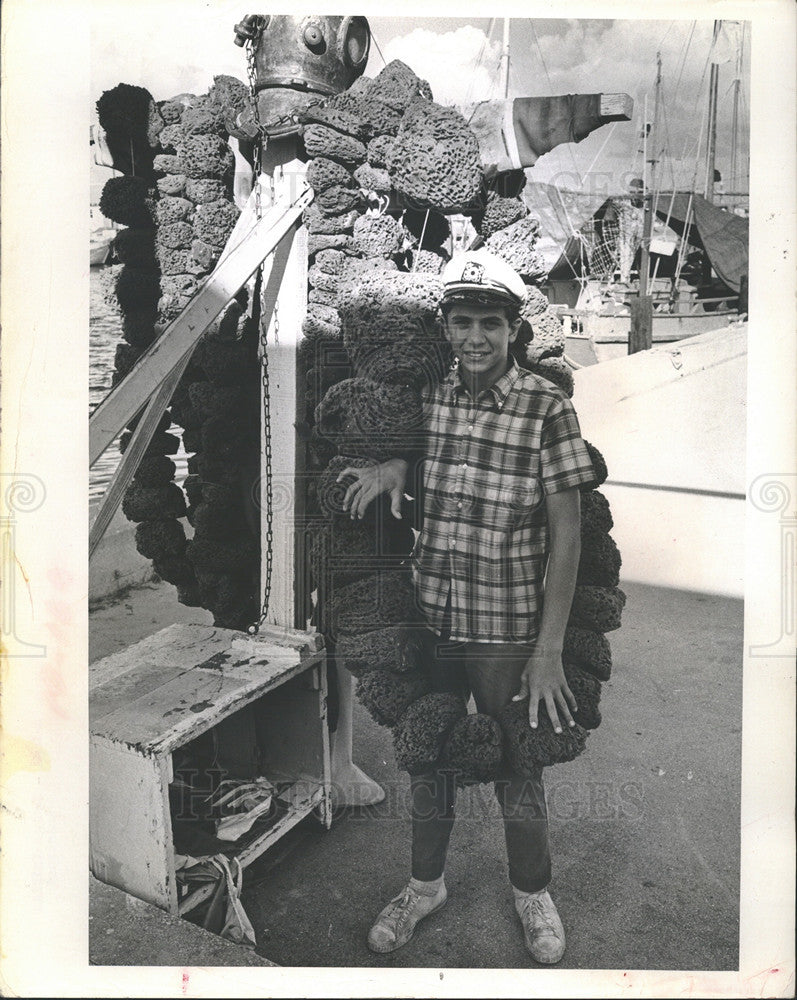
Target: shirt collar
[497,392]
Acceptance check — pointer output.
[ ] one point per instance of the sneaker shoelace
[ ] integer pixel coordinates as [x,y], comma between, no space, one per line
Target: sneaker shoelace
[400,906]
[535,904]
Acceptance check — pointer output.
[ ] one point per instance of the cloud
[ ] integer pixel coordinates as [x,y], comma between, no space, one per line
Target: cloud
[461,66]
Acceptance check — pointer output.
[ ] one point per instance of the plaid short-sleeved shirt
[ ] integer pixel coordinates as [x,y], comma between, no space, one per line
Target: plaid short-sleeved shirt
[489,465]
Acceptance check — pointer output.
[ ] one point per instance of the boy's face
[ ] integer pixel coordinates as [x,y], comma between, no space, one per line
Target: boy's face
[480,336]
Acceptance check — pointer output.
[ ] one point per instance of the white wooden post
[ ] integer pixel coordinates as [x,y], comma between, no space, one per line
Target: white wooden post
[284,334]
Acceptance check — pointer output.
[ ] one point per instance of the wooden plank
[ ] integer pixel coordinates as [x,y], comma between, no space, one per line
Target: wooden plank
[137,446]
[304,642]
[146,427]
[130,830]
[176,644]
[191,703]
[125,400]
[617,107]
[129,686]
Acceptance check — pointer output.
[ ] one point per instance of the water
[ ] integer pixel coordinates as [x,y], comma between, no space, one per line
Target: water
[105,332]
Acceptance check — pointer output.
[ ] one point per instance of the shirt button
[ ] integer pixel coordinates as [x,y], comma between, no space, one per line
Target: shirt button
[460,505]
[470,427]
[451,543]
[464,465]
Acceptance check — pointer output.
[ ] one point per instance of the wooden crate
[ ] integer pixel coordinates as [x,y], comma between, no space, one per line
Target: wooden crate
[263,698]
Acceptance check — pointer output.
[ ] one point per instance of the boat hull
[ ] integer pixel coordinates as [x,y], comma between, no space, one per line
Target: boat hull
[605,337]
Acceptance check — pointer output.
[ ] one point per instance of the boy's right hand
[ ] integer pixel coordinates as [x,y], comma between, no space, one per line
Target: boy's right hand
[389,477]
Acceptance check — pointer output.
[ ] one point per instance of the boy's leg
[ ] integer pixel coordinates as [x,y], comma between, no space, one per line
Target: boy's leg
[494,675]
[434,793]
[433,800]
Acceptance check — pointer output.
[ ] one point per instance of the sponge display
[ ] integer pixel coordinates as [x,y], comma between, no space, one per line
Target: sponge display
[527,749]
[422,729]
[597,608]
[589,649]
[434,160]
[378,601]
[474,749]
[387,696]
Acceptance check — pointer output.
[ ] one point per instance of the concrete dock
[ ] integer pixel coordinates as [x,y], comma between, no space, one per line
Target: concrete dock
[644,826]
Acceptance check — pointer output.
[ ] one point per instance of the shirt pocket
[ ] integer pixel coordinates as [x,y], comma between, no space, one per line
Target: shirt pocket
[526,503]
[513,507]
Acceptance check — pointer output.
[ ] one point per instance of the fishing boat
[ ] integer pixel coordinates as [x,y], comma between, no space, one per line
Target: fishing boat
[648,266]
[100,247]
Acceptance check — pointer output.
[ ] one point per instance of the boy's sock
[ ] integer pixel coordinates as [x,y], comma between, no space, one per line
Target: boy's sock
[428,888]
[520,897]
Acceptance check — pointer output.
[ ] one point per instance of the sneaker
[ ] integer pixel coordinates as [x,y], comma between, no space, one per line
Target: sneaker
[396,924]
[542,928]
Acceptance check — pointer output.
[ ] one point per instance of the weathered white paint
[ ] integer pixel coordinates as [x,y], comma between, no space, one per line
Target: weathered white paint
[284,334]
[156,696]
[130,829]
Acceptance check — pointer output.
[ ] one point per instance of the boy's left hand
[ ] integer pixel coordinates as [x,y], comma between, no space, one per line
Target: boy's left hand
[543,679]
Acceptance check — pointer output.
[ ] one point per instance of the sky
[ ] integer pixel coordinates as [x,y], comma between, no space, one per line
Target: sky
[460,57]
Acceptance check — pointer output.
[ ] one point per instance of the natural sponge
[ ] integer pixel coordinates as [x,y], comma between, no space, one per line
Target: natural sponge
[515,245]
[586,689]
[397,86]
[157,539]
[128,201]
[548,336]
[378,601]
[595,513]
[205,156]
[598,465]
[555,370]
[600,560]
[473,749]
[377,236]
[422,730]
[321,140]
[214,221]
[397,650]
[151,503]
[498,213]
[366,418]
[434,161]
[597,608]
[330,492]
[387,696]
[528,749]
[589,649]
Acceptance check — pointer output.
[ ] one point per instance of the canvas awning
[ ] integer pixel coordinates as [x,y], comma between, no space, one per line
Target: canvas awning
[723,235]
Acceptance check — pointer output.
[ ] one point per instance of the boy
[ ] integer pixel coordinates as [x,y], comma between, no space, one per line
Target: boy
[504,465]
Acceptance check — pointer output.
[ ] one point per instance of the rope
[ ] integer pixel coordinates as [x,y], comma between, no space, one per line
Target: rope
[378,49]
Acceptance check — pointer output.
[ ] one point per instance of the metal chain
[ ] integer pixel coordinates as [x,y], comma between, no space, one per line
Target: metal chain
[259,145]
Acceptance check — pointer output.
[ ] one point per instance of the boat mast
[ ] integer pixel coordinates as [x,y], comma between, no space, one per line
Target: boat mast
[505,60]
[737,83]
[650,186]
[713,89]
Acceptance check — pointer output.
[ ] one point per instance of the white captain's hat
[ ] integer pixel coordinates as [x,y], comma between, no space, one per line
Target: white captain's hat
[481,276]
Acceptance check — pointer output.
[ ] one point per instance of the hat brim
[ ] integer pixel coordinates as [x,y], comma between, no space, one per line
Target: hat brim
[480,294]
